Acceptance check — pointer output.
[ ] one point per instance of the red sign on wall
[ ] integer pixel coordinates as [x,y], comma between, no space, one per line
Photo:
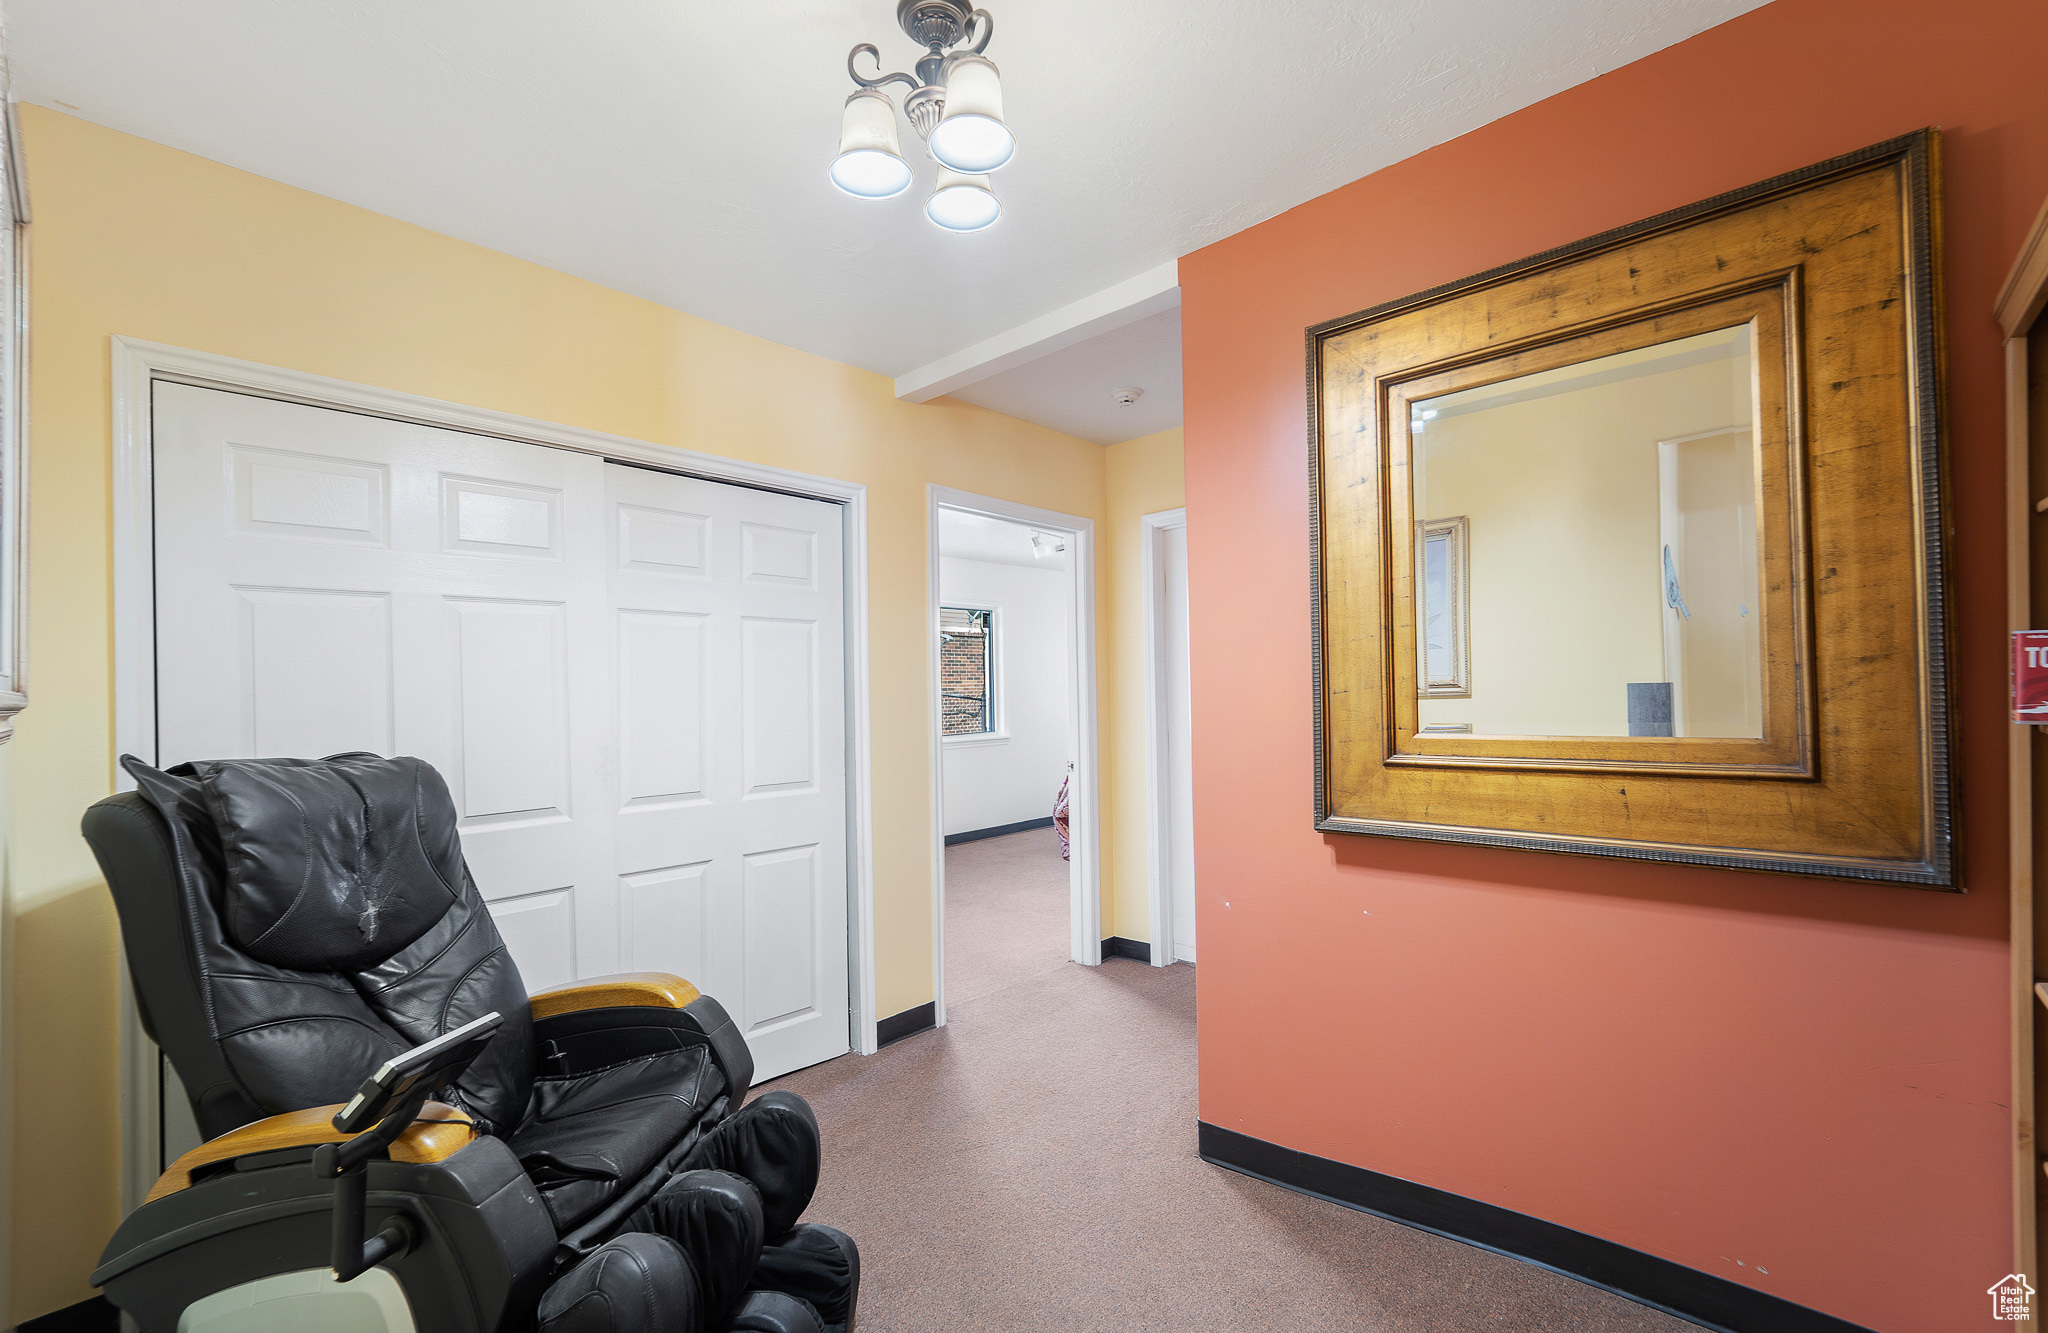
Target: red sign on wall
[2030,675]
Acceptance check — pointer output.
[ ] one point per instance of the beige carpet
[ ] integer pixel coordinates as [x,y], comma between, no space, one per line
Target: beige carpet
[1032,1165]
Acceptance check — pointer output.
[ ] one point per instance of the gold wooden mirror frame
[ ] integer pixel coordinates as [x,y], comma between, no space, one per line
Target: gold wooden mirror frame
[1832,270]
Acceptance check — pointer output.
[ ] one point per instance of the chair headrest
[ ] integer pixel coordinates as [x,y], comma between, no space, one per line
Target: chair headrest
[327,865]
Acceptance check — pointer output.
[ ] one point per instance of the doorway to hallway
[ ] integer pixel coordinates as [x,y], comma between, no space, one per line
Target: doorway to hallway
[1013,661]
[1169,736]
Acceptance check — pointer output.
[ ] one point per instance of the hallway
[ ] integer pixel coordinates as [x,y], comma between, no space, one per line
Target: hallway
[1006,915]
[1032,1164]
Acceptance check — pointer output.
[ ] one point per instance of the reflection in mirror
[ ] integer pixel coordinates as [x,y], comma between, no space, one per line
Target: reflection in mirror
[1586,548]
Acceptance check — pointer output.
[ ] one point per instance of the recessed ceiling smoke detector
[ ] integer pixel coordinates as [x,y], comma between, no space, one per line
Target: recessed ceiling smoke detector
[1125,396]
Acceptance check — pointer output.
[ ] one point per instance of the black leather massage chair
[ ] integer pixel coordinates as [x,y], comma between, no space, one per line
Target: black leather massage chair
[292,925]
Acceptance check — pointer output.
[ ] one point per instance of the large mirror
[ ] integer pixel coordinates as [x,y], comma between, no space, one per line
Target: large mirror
[1587,549]
[1605,558]
[1634,548]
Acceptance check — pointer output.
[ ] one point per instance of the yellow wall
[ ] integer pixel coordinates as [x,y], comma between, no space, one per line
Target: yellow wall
[137,239]
[1145,476]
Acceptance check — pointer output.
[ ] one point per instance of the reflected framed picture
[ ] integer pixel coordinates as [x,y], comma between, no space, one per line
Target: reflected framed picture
[1444,670]
[1699,456]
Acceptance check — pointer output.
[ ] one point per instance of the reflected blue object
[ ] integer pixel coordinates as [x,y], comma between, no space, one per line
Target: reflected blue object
[1672,596]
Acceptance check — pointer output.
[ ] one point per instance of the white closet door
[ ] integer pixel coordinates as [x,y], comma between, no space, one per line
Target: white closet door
[727,613]
[633,682]
[329,582]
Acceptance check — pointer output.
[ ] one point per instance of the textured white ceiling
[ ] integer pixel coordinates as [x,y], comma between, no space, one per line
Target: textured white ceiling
[676,149]
[965,536]
[1070,389]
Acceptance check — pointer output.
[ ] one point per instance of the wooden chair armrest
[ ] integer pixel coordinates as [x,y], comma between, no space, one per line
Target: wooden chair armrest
[440,1132]
[646,990]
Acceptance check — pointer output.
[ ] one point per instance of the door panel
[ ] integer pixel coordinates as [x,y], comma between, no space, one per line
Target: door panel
[279,493]
[663,671]
[540,931]
[319,662]
[493,518]
[780,556]
[662,541]
[512,705]
[665,919]
[782,936]
[779,667]
[731,828]
[633,682]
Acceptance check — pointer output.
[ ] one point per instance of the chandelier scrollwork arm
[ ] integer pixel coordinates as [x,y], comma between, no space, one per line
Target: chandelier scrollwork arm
[954,102]
[886,79]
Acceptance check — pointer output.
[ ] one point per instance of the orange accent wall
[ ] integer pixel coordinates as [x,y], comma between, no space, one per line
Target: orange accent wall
[1796,1084]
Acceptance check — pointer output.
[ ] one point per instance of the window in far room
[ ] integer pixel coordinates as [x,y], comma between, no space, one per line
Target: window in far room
[967,671]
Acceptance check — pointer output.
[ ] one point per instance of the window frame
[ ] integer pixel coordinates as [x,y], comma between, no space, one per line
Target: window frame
[992,692]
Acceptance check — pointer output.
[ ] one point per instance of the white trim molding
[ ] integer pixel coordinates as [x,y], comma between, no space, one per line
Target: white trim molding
[1084,806]
[14,445]
[14,431]
[1127,302]
[976,738]
[1158,823]
[137,365]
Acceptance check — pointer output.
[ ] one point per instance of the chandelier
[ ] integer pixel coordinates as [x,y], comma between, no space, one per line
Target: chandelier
[955,103]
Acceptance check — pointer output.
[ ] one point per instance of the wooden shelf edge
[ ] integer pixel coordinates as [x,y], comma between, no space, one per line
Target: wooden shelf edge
[2025,294]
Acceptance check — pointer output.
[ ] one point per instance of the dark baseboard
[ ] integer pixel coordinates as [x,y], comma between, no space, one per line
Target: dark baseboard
[907,1024]
[1116,946]
[1021,826]
[1673,1288]
[97,1315]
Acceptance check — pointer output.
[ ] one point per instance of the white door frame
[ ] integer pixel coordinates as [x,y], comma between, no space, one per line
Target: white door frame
[1667,520]
[138,364]
[1152,571]
[1084,824]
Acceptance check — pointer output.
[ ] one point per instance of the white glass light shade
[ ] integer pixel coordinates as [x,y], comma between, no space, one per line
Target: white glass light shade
[962,202]
[971,137]
[870,165]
